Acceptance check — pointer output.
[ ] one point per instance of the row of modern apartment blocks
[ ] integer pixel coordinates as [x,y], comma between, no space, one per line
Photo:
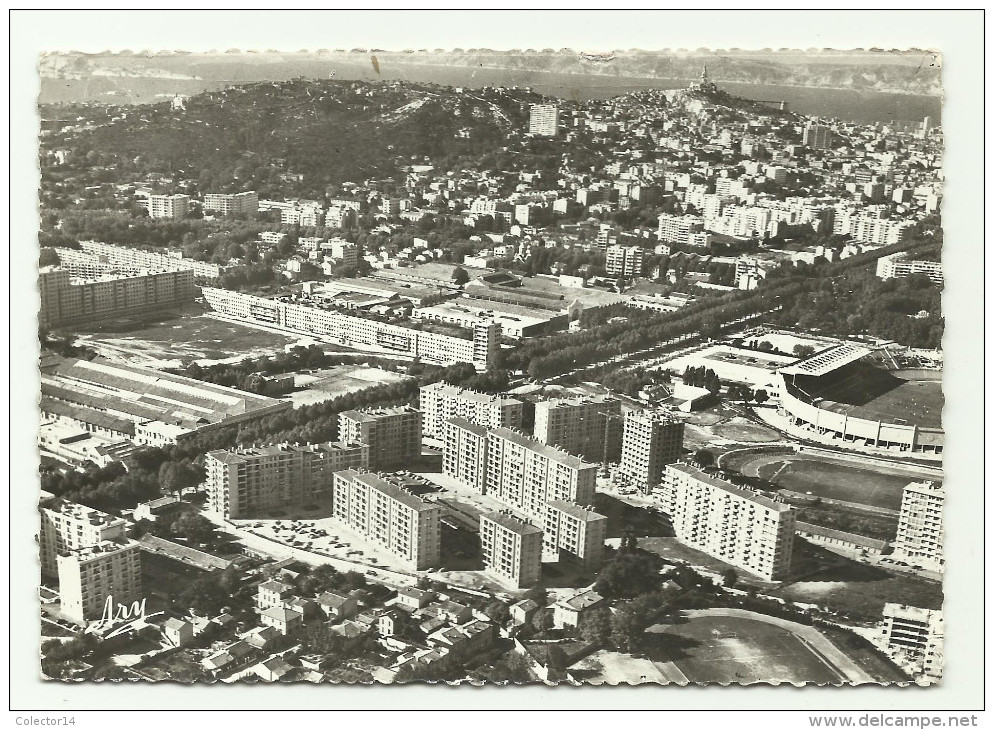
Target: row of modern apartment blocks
[513,548]
[591,427]
[177,206]
[124,257]
[247,481]
[478,346]
[89,554]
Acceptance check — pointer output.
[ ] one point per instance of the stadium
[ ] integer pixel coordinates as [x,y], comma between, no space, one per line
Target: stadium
[838,398]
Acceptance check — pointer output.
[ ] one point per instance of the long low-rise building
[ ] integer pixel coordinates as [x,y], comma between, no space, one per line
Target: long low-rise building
[172,260]
[478,346]
[387,516]
[67,300]
[149,407]
[516,324]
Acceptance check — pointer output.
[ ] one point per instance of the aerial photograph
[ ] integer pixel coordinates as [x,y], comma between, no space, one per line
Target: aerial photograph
[476,367]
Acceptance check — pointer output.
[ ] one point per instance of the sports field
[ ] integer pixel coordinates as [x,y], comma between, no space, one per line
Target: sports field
[745,432]
[849,480]
[737,650]
[917,402]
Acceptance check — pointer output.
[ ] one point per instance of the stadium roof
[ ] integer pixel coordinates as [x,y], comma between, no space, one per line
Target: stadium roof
[827,361]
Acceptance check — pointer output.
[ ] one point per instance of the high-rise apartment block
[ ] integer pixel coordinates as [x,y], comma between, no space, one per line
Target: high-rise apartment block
[624,261]
[89,576]
[393,435]
[679,228]
[917,635]
[387,516]
[66,299]
[232,203]
[246,481]
[511,548]
[588,426]
[920,534]
[574,532]
[464,457]
[168,206]
[817,136]
[543,120]
[441,401]
[739,526]
[527,475]
[651,441]
[67,526]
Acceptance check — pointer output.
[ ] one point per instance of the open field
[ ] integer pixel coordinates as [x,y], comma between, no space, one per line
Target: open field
[738,650]
[176,341]
[323,385]
[860,591]
[745,432]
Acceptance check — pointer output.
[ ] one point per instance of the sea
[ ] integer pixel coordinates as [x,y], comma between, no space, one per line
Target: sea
[865,107]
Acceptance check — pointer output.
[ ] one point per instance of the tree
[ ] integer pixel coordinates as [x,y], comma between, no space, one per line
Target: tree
[459,276]
[596,626]
[556,661]
[498,612]
[761,396]
[629,543]
[804,350]
[194,527]
[729,578]
[704,458]
[627,626]
[542,620]
[628,575]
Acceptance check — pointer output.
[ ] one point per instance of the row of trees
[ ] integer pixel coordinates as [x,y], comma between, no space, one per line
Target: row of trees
[702,377]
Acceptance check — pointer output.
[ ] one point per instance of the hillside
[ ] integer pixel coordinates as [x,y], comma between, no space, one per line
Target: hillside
[327,131]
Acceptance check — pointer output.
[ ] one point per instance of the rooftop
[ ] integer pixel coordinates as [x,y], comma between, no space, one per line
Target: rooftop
[582,601]
[826,361]
[730,488]
[466,394]
[511,522]
[575,510]
[550,452]
[380,484]
[467,426]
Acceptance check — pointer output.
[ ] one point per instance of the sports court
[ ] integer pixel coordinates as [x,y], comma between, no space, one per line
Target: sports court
[737,650]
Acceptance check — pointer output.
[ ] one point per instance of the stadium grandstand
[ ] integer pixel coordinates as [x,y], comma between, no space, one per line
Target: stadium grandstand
[841,399]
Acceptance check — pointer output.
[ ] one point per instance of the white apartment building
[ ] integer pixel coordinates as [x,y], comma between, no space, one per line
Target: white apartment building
[479,346]
[252,480]
[899,266]
[526,475]
[817,136]
[920,533]
[89,576]
[543,120]
[464,456]
[67,300]
[67,526]
[588,426]
[651,441]
[227,204]
[574,532]
[743,528]
[389,517]
[511,548]
[393,435]
[915,635]
[624,261]
[440,401]
[871,229]
[168,206]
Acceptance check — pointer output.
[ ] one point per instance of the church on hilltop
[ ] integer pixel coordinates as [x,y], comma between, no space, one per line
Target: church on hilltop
[705,84]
